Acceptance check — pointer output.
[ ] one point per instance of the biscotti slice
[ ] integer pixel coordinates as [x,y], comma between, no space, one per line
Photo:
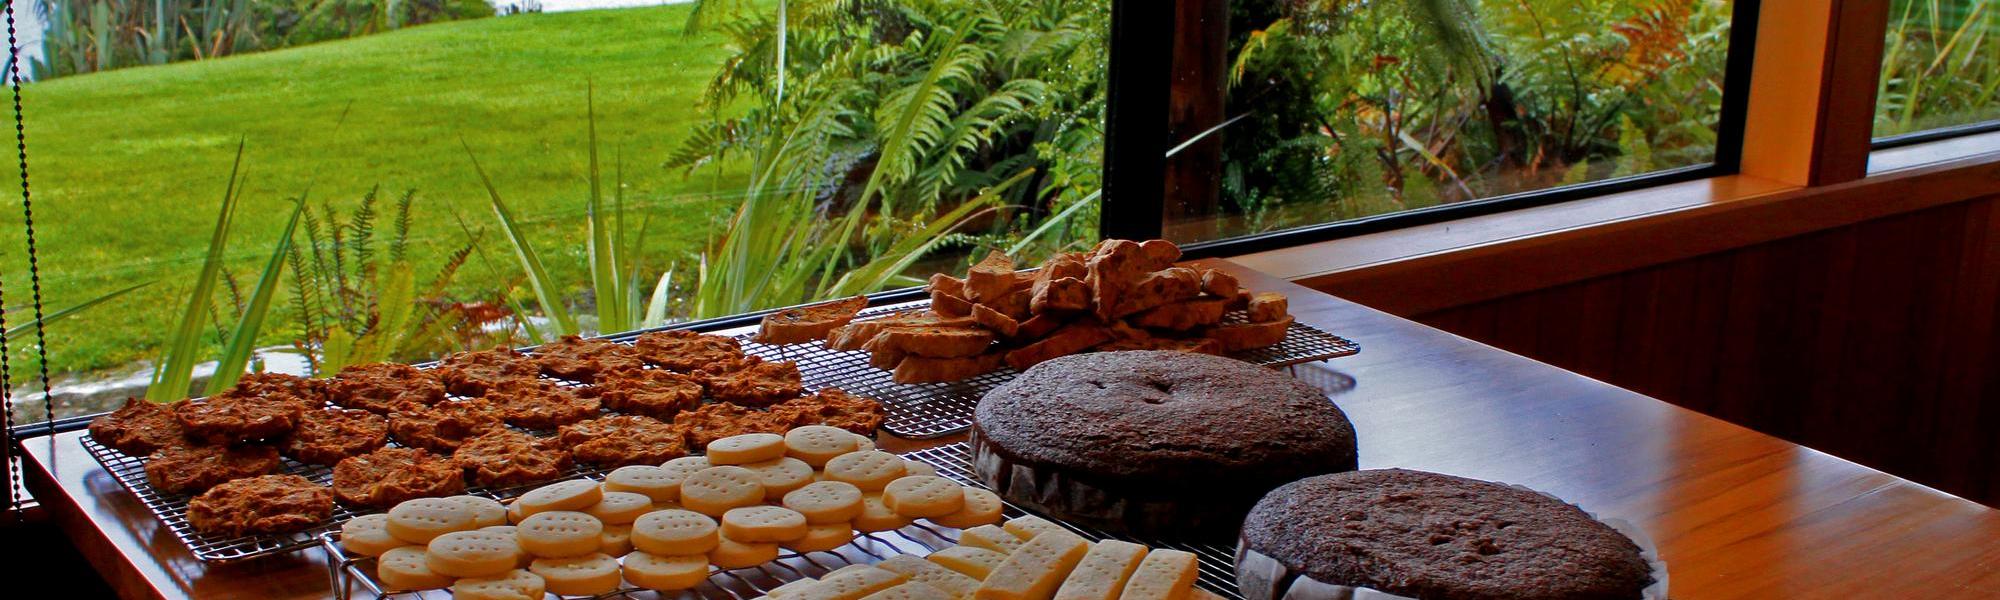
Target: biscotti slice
[1245,336]
[1158,254]
[976,563]
[941,282]
[1115,266]
[1216,283]
[996,321]
[959,585]
[1038,327]
[923,369]
[950,305]
[1069,340]
[1163,575]
[1103,572]
[991,279]
[1036,570]
[1266,307]
[853,335]
[1181,316]
[1065,295]
[1194,345]
[1158,289]
[935,342]
[1016,305]
[808,323]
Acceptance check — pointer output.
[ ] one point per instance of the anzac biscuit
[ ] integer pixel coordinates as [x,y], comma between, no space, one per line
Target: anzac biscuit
[686,351]
[308,393]
[808,323]
[832,407]
[577,358]
[187,467]
[389,476]
[753,382]
[472,373]
[443,426]
[327,435]
[138,429]
[722,419]
[257,505]
[620,440]
[227,419]
[384,387]
[541,404]
[503,457]
[654,393]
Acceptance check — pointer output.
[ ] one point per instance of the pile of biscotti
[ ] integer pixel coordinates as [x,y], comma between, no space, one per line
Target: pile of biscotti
[1121,295]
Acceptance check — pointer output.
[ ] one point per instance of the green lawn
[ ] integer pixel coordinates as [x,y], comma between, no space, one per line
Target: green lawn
[129,166]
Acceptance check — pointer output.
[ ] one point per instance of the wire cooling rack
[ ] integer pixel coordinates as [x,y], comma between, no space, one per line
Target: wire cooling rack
[1217,562]
[934,410]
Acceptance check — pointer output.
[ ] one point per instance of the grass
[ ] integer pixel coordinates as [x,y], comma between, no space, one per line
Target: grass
[129,166]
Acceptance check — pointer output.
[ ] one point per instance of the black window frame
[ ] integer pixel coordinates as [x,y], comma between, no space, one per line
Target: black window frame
[1142,34]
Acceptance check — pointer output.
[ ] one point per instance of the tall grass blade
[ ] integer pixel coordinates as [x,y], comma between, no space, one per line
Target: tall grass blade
[15,332]
[538,276]
[603,249]
[1050,223]
[243,343]
[176,372]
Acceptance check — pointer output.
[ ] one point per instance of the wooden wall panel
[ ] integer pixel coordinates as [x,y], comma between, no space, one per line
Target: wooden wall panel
[1875,341]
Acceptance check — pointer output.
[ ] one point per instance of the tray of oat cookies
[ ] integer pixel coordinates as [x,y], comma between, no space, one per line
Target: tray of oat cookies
[948,554]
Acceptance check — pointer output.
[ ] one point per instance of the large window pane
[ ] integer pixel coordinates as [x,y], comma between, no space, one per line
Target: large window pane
[1940,66]
[729,155]
[1347,109]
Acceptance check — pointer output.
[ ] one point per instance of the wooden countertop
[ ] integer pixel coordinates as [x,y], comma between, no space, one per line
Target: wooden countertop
[1736,514]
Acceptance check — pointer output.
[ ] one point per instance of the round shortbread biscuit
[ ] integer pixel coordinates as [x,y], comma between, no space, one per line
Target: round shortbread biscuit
[675,533]
[666,573]
[817,444]
[368,535]
[982,507]
[521,556]
[616,540]
[862,443]
[752,524]
[421,520]
[656,483]
[473,553]
[876,516]
[680,468]
[915,467]
[514,514]
[745,449]
[820,538]
[715,490]
[560,534]
[486,512]
[923,496]
[620,508]
[732,554]
[869,470]
[518,584]
[405,568]
[781,475]
[826,502]
[575,494]
[587,575]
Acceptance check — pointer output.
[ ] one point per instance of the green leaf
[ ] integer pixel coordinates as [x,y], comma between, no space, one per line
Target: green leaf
[17,331]
[398,301]
[176,372]
[531,263]
[336,352]
[602,247]
[236,356]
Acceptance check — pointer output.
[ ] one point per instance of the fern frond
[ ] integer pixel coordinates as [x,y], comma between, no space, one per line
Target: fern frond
[361,227]
[399,246]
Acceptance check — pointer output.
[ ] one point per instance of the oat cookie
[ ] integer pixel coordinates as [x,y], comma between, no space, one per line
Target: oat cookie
[722,419]
[578,358]
[324,436]
[228,419]
[388,476]
[686,351]
[189,467]
[472,373]
[138,429]
[503,457]
[833,407]
[383,387]
[263,504]
[752,382]
[443,426]
[541,404]
[651,392]
[621,440]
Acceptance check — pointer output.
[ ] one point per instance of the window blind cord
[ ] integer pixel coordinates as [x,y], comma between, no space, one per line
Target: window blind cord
[15,491]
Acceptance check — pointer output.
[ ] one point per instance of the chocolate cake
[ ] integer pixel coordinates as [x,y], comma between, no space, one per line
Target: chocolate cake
[1425,535]
[1154,443]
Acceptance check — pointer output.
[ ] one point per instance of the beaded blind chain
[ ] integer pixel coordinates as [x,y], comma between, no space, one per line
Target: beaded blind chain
[14,490]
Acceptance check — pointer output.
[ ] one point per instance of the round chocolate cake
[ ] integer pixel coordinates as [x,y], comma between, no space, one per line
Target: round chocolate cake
[1157,443]
[1425,535]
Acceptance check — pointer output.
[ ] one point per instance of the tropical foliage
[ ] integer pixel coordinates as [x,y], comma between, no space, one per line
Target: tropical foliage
[882,132]
[1355,108]
[1941,66]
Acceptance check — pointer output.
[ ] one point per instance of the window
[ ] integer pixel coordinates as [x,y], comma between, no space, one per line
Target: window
[1341,112]
[1940,68]
[661,162]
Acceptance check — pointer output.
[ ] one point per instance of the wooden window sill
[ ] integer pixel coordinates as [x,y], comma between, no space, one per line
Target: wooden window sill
[1430,267]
